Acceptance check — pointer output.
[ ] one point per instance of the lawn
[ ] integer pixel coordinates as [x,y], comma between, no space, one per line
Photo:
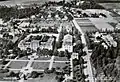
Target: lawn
[59,65]
[18,64]
[60,58]
[88,29]
[43,58]
[40,65]
[23,58]
[83,20]
[45,78]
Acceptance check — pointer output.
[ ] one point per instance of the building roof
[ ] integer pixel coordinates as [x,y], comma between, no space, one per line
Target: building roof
[68,38]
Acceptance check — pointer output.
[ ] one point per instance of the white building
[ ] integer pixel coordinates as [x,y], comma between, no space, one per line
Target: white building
[47,45]
[67,43]
[74,56]
[109,40]
[34,44]
[69,28]
[118,26]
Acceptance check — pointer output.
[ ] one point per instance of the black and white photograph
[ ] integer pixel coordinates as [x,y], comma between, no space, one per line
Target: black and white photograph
[59,40]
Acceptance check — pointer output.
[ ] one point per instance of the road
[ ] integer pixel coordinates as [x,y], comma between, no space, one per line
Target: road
[51,62]
[9,63]
[88,70]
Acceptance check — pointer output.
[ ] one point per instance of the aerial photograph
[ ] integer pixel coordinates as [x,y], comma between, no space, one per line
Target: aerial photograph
[59,40]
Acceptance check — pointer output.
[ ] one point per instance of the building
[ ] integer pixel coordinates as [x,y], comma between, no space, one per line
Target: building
[34,44]
[118,26]
[67,43]
[109,40]
[75,56]
[69,28]
[118,63]
[47,45]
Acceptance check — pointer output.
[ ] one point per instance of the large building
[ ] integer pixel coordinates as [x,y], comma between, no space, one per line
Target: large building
[34,44]
[67,43]
[47,45]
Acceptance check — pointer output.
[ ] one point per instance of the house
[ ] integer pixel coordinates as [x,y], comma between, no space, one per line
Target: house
[74,56]
[67,43]
[109,40]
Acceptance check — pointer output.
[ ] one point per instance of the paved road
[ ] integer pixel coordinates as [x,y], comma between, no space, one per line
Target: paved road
[20,69]
[88,70]
[51,62]
[9,63]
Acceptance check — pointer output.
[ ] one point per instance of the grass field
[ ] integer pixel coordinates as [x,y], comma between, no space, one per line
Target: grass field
[40,65]
[60,58]
[23,58]
[43,58]
[89,29]
[17,64]
[45,78]
[86,25]
[111,5]
[60,65]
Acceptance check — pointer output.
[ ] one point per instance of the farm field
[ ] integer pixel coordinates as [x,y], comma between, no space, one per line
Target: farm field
[86,25]
[89,29]
[103,24]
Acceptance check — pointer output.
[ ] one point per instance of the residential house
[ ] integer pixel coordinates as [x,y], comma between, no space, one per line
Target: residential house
[74,56]
[109,40]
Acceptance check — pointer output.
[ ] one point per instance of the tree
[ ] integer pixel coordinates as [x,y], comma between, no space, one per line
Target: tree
[34,74]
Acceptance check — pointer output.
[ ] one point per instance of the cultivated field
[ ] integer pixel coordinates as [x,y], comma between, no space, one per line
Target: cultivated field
[86,25]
